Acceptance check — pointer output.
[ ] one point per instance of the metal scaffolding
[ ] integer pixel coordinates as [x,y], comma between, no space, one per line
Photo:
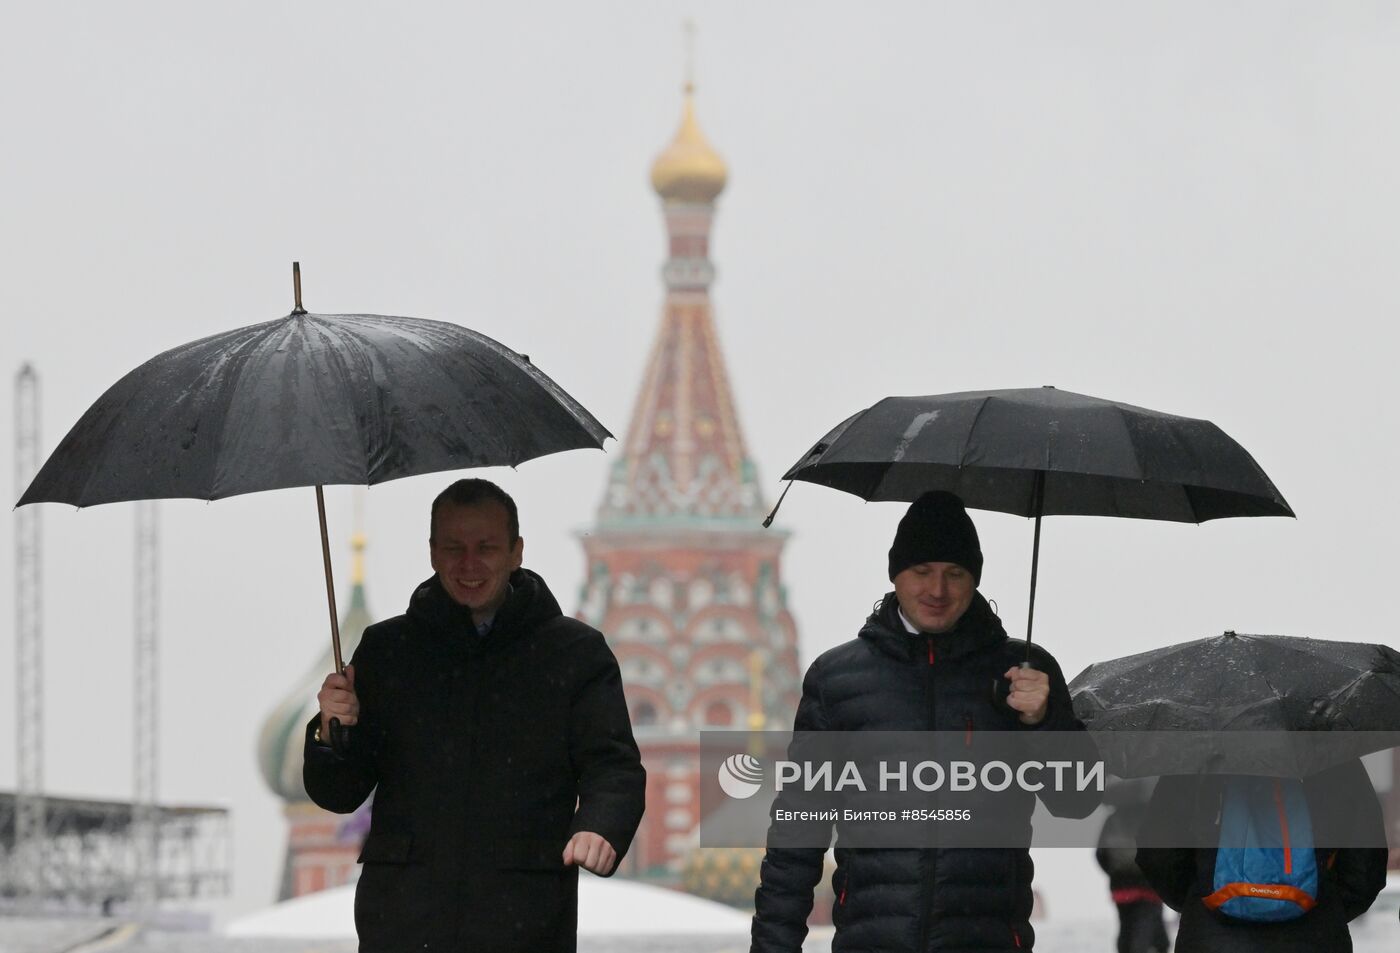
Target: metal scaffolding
[70,853]
[27,855]
[90,852]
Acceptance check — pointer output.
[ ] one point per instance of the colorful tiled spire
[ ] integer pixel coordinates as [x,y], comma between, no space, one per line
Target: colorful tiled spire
[682,578]
[684,457]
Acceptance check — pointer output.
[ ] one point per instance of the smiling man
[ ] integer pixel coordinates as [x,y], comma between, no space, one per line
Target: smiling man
[925,660]
[494,735]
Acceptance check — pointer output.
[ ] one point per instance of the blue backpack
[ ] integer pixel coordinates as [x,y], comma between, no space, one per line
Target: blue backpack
[1266,865]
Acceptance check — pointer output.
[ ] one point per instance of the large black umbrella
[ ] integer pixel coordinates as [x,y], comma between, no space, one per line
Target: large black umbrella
[1243,704]
[1041,451]
[311,400]
[307,400]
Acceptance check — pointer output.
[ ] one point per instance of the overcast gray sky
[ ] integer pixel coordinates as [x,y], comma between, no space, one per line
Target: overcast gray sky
[1187,206]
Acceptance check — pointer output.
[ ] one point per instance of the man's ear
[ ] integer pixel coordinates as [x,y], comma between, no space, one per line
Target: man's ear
[519,552]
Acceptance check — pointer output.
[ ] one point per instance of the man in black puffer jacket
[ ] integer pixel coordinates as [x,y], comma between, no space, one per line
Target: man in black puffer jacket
[924,661]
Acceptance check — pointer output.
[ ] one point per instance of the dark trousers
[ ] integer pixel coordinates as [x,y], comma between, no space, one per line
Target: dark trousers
[1140,928]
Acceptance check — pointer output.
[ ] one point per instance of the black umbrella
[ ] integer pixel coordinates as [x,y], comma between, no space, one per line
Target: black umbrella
[1236,703]
[312,400]
[1041,451]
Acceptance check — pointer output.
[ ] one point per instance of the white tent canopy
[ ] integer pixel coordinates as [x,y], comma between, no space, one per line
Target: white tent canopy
[605,908]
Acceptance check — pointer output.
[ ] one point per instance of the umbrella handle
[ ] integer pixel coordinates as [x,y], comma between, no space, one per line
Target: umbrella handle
[816,451]
[340,738]
[782,496]
[1001,690]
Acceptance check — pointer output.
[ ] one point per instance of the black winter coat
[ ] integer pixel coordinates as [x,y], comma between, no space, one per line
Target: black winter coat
[916,900]
[1117,853]
[477,750]
[1343,806]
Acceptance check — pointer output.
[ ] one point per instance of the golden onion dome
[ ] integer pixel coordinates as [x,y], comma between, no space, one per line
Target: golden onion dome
[689,171]
[284,731]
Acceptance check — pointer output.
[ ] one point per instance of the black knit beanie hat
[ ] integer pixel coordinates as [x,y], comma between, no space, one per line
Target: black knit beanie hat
[936,529]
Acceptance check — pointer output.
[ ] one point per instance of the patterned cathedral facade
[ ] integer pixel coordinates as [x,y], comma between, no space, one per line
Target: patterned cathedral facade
[680,573]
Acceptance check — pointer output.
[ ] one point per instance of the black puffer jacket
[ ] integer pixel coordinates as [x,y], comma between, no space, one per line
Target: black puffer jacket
[916,900]
[1116,854]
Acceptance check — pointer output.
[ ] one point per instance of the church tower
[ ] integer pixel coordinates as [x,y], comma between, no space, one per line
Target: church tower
[681,576]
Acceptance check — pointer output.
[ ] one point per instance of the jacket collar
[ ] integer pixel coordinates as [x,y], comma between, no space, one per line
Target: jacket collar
[978,629]
[529,604]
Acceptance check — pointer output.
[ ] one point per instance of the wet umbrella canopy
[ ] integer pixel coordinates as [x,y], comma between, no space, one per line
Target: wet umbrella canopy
[1317,702]
[1041,451]
[1085,456]
[307,400]
[311,400]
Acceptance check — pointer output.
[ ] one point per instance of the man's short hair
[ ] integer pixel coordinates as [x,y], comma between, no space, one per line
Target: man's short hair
[473,492]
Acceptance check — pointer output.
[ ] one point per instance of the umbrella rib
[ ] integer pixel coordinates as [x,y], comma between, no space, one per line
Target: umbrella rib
[1314,656]
[1278,696]
[1258,665]
[239,362]
[1221,676]
[962,455]
[347,385]
[1137,457]
[1353,685]
[95,471]
[1389,686]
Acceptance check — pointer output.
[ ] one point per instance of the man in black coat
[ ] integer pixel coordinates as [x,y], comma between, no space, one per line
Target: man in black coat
[494,735]
[1348,828]
[1141,928]
[925,660]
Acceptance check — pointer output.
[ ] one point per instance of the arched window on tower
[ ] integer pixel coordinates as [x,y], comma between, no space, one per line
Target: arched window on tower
[643,715]
[719,714]
[641,629]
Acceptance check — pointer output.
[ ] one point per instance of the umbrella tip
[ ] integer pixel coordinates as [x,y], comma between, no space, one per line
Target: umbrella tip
[1230,633]
[782,496]
[296,288]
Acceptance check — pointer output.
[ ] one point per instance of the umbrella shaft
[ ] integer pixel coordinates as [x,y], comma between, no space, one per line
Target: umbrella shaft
[330,582]
[1035,566]
[1035,556]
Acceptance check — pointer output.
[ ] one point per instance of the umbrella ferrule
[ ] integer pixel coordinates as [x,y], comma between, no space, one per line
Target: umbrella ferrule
[296,288]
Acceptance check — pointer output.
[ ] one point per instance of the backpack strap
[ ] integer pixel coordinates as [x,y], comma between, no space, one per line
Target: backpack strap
[1302,898]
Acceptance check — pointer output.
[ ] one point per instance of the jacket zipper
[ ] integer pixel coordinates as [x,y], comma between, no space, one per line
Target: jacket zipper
[926,865]
[1283,828]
